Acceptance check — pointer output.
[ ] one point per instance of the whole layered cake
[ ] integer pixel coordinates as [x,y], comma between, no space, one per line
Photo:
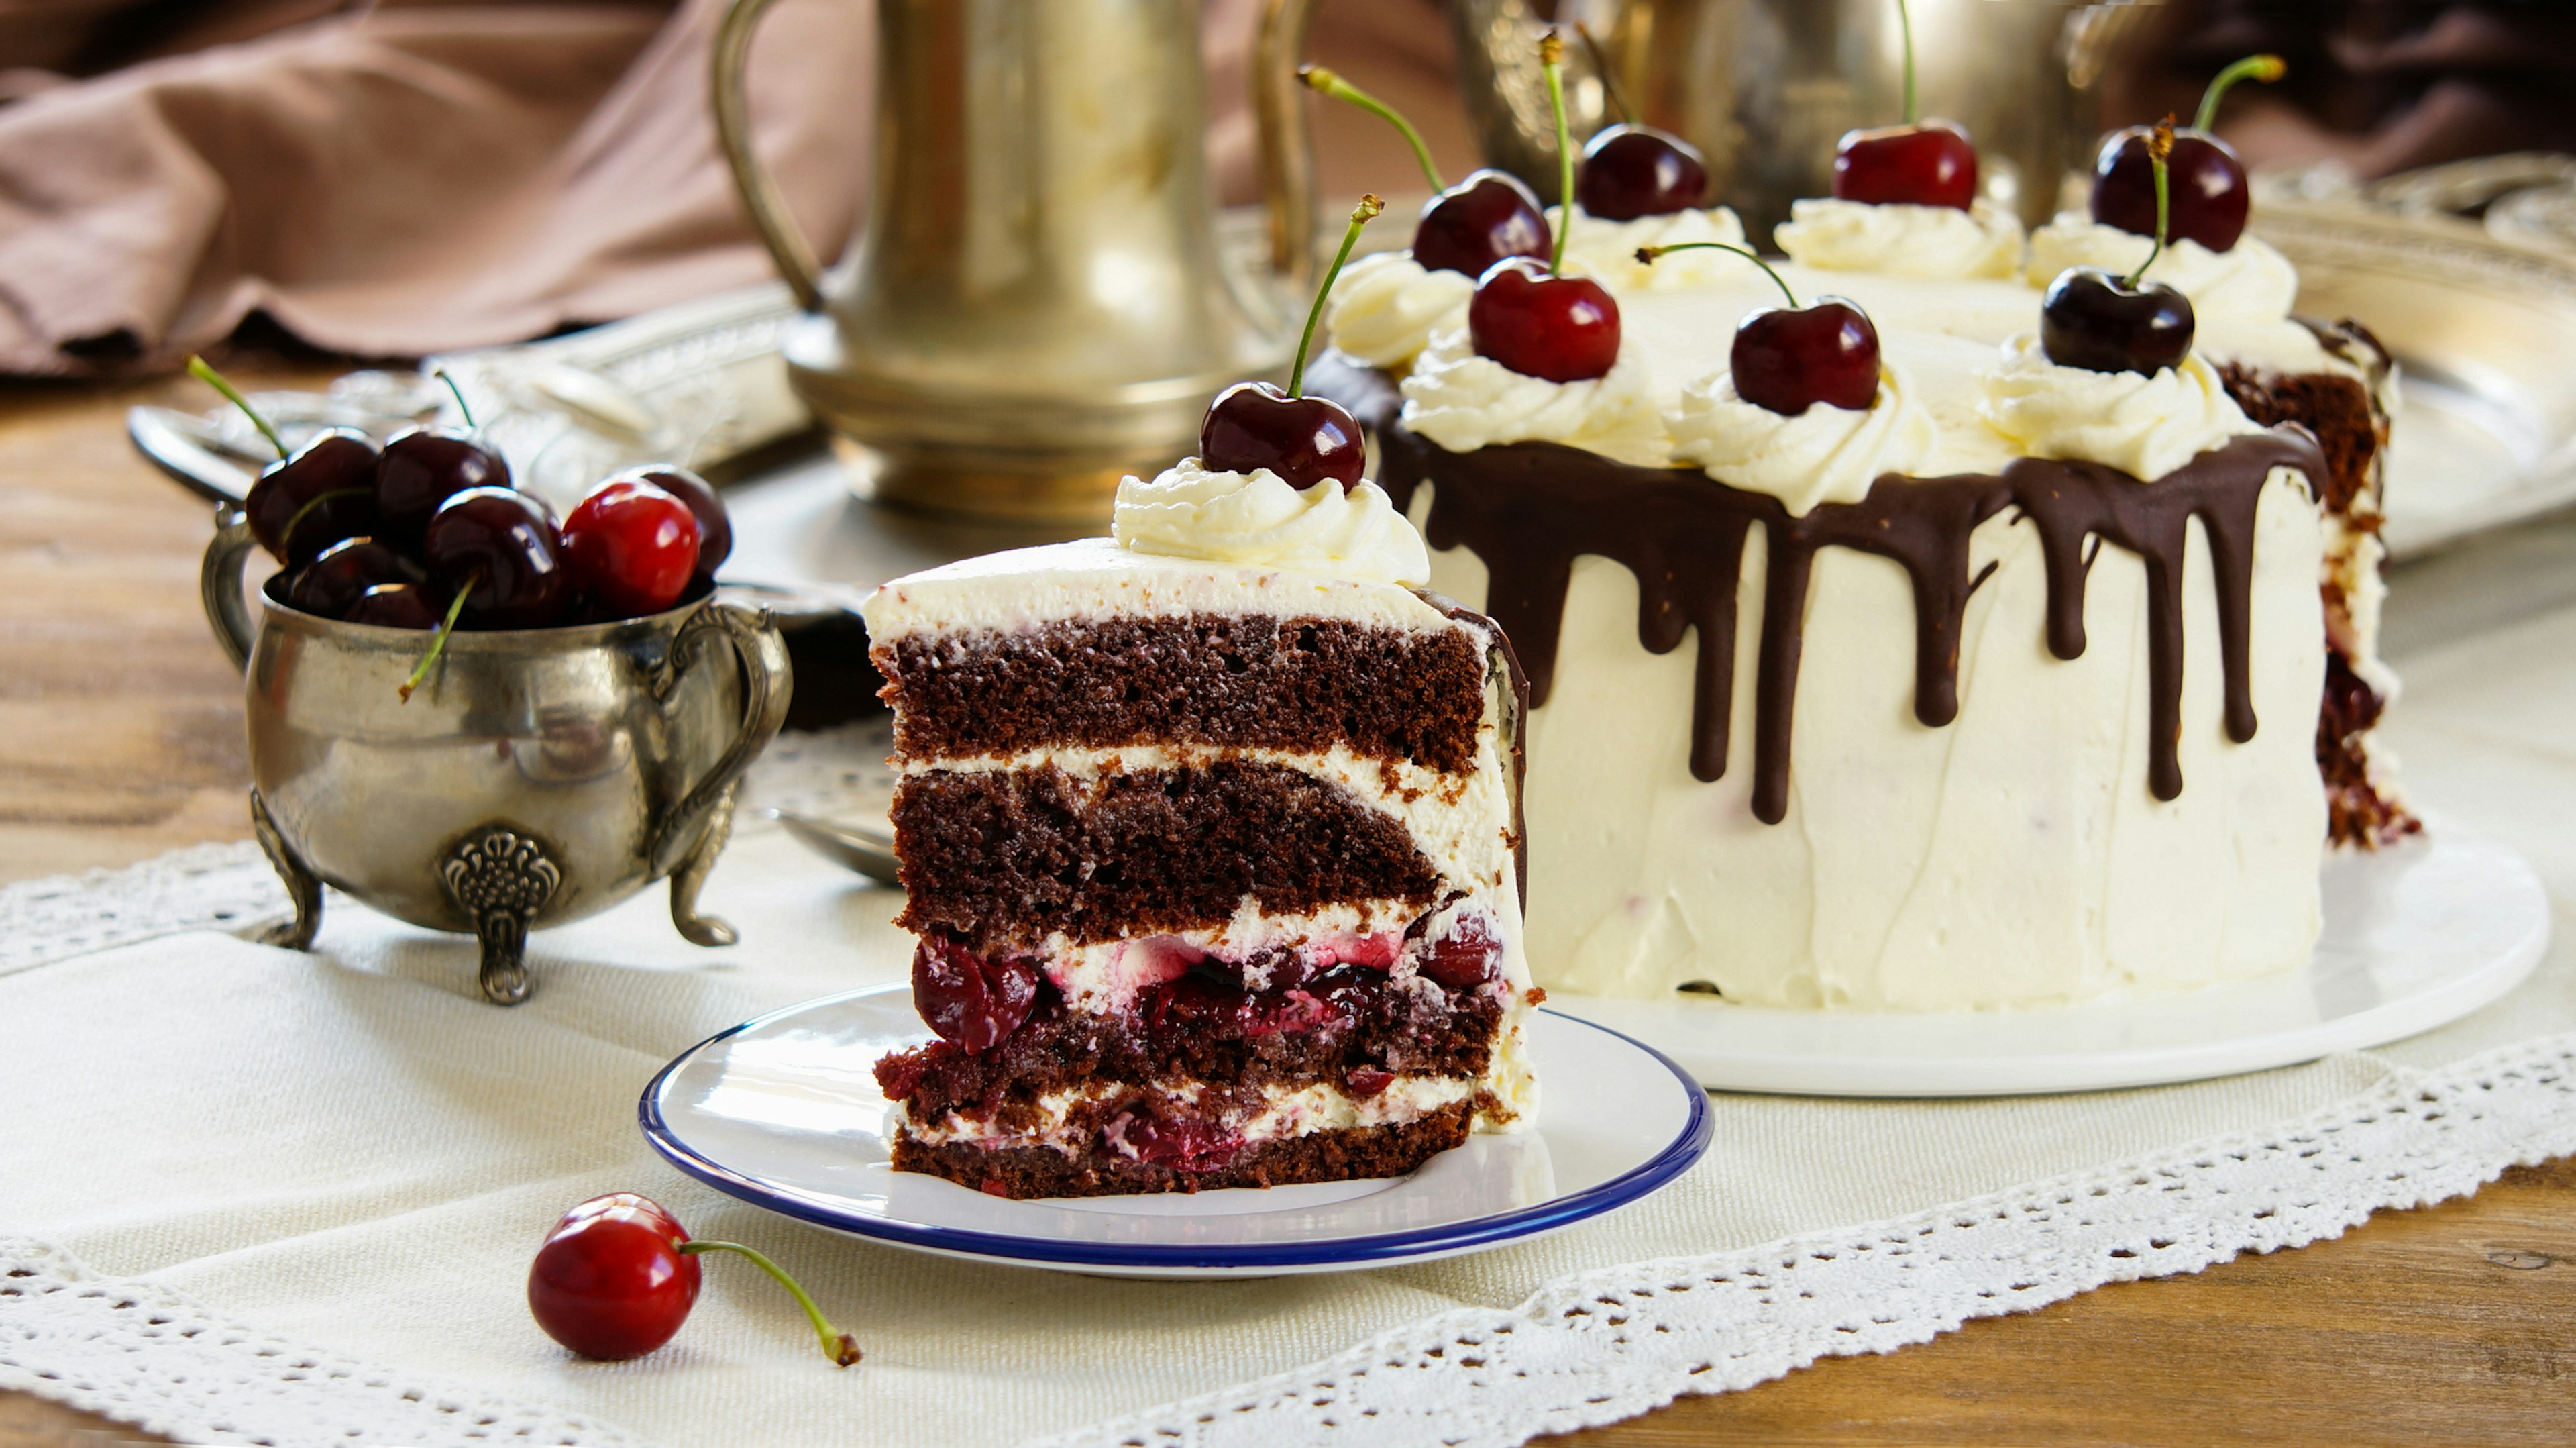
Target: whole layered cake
[1208,831]
[1997,686]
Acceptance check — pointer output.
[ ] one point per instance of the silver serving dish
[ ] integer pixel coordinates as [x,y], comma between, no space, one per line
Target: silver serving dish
[536,777]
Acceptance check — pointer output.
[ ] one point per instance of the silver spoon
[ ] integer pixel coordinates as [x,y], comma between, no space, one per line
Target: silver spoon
[867,850]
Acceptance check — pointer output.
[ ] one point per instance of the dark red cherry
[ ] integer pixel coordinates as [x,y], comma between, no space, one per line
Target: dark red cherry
[325,491]
[1180,1145]
[1564,329]
[1631,171]
[502,547]
[1932,164]
[425,467]
[634,546]
[1477,223]
[967,999]
[1465,958]
[1254,425]
[2096,321]
[332,582]
[1788,359]
[2208,197]
[715,526]
[610,1281]
[401,605]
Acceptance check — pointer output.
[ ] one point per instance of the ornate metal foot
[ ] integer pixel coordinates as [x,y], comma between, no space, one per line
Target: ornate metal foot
[301,886]
[692,871]
[501,879]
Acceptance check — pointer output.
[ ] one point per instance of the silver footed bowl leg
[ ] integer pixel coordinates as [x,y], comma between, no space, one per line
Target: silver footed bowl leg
[696,928]
[301,886]
[501,879]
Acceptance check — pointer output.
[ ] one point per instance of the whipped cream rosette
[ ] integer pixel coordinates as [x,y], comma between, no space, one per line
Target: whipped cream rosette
[1902,240]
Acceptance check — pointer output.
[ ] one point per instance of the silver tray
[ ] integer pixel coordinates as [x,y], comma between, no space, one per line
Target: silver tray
[2485,432]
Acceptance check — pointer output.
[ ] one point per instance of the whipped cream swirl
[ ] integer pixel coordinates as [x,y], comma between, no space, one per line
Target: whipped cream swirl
[1822,455]
[1255,517]
[2144,426]
[1896,239]
[1606,251]
[2250,280]
[1464,402]
[1385,306]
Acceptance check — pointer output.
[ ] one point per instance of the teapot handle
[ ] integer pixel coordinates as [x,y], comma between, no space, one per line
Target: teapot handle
[788,248]
[751,636]
[219,583]
[1287,145]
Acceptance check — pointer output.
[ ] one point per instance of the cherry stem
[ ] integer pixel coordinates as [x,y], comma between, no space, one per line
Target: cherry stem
[1609,77]
[287,538]
[1647,255]
[438,643]
[2265,68]
[2159,146]
[443,375]
[1331,83]
[1905,28]
[1361,215]
[198,369]
[839,1346]
[1551,59]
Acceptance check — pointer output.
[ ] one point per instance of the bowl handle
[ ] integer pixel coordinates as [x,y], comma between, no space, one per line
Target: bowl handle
[219,583]
[751,637]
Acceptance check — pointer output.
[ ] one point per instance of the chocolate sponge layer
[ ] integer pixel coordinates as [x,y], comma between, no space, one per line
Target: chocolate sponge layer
[1244,680]
[1003,858]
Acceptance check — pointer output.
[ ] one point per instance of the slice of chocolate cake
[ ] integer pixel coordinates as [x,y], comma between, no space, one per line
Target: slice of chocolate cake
[1209,836]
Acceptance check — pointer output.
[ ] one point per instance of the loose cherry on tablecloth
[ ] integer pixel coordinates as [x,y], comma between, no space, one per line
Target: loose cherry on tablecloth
[1464,228]
[1788,360]
[309,498]
[1304,440]
[2209,194]
[1541,322]
[617,1276]
[1921,163]
[2102,323]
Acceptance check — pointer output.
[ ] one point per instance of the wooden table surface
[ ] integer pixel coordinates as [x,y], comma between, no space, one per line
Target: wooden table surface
[121,737]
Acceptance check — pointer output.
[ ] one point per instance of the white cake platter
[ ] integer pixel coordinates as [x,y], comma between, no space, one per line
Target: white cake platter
[2415,937]
[784,1112]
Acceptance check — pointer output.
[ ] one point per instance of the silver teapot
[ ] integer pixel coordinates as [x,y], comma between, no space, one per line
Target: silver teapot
[1036,304]
[536,777]
[1765,87]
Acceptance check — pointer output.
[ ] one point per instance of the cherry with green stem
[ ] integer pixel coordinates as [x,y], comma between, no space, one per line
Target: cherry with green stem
[1542,323]
[1918,163]
[1789,359]
[1464,228]
[618,1275]
[438,641]
[2211,197]
[1304,440]
[312,496]
[1632,169]
[2104,323]
[425,466]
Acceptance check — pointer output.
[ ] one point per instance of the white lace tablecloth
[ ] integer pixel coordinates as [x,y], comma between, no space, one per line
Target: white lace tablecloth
[290,1199]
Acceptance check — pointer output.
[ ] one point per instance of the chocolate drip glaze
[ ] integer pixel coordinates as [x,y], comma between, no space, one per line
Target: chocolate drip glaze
[1530,509]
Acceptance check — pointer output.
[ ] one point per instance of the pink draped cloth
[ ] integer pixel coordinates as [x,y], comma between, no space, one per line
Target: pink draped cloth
[415,177]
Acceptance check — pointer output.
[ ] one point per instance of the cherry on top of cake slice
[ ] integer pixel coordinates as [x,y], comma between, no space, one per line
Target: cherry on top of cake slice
[2209,196]
[1304,440]
[1917,163]
[2104,323]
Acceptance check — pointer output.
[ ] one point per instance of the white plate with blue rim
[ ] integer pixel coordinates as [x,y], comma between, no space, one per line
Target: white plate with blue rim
[784,1112]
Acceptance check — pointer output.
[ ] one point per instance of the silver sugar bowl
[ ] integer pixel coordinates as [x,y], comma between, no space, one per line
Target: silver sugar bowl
[535,777]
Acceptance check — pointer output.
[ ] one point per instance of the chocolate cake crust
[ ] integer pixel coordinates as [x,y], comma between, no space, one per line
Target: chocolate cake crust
[1244,680]
[1001,859]
[1342,1154]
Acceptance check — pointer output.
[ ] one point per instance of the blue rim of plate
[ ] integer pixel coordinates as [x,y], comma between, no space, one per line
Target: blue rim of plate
[1671,1161]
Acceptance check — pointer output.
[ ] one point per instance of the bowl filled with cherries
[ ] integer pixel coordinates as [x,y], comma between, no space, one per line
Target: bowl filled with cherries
[476,717]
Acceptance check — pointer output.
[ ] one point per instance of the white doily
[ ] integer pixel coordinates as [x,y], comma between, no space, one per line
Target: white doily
[145,1355]
[1589,1349]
